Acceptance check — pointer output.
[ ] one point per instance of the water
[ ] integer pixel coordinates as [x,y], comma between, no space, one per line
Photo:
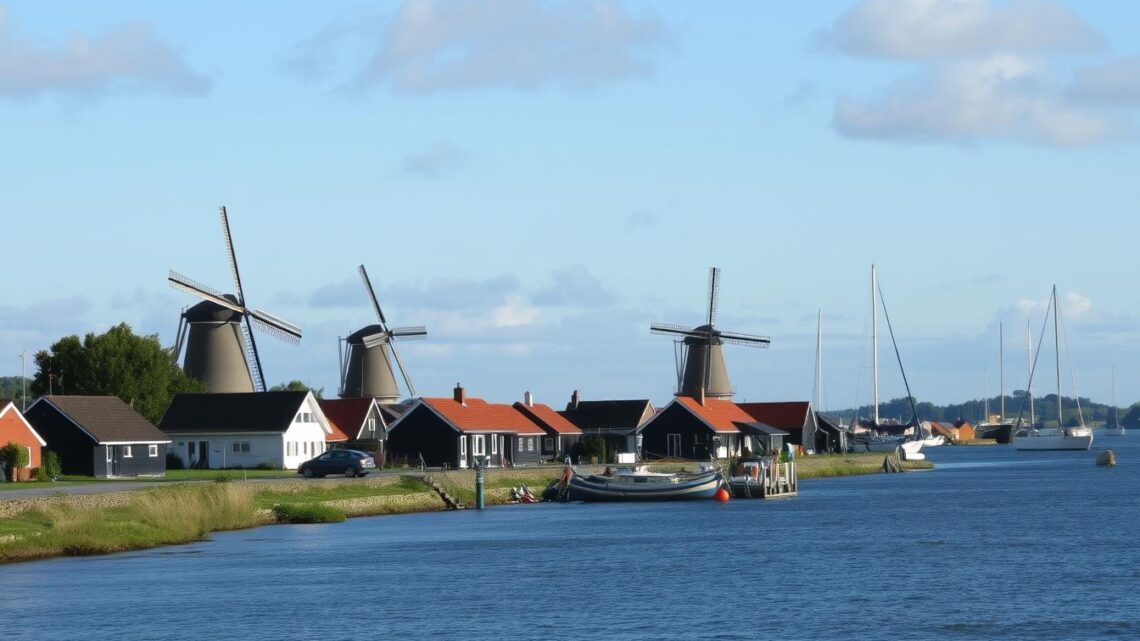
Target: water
[994,544]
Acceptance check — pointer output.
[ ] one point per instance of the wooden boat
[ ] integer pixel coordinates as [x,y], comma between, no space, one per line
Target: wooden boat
[640,485]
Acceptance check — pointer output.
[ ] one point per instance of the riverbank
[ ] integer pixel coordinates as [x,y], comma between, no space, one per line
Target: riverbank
[88,524]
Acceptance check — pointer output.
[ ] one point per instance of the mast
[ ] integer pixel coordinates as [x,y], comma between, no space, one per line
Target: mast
[874,347]
[1057,352]
[1115,407]
[819,362]
[1029,364]
[1001,371]
[986,395]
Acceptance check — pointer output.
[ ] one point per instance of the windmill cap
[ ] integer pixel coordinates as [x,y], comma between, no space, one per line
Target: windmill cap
[357,337]
[693,340]
[209,311]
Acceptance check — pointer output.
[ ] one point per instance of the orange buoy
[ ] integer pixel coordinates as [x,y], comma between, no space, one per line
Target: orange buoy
[721,495]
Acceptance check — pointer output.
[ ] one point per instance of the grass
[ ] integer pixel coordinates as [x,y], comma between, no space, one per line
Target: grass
[852,464]
[317,493]
[307,513]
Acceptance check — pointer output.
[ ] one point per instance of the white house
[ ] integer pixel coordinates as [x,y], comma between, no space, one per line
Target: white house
[269,429]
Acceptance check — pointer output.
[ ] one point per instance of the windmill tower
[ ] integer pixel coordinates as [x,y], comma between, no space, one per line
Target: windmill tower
[366,364]
[220,348]
[700,355]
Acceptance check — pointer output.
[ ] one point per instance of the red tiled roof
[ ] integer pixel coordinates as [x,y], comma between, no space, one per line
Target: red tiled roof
[784,415]
[720,414]
[346,416]
[545,415]
[477,415]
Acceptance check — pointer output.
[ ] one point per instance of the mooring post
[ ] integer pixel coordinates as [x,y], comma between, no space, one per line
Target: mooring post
[479,465]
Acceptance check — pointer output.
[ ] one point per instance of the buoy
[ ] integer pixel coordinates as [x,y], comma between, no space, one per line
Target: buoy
[722,495]
[1106,458]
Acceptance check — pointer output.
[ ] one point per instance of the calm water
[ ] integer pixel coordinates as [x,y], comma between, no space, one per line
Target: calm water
[994,544]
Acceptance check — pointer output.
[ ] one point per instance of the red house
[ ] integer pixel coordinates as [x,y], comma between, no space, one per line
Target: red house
[15,429]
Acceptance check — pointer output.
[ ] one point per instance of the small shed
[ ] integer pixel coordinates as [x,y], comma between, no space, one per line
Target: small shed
[965,431]
[760,438]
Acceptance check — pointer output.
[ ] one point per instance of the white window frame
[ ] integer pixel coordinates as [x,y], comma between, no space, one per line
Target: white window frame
[494,444]
[478,445]
[127,453]
[29,448]
[462,446]
[530,444]
[152,451]
[109,457]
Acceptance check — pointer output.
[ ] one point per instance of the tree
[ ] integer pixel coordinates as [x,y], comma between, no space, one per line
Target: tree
[298,386]
[13,456]
[119,363]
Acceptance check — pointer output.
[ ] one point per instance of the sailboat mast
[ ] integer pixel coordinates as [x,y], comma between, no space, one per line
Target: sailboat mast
[819,362]
[1115,407]
[1029,365]
[986,395]
[1057,351]
[875,346]
[1001,371]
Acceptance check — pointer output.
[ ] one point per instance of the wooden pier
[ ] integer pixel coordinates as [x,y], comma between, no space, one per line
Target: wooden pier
[764,479]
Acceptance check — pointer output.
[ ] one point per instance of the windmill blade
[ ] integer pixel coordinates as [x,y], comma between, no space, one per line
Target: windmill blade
[372,340]
[752,340]
[278,327]
[714,293]
[667,328]
[232,256]
[403,372]
[179,337]
[178,281]
[253,359]
[372,295]
[419,331]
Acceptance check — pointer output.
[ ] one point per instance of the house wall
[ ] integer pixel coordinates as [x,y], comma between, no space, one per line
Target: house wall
[525,448]
[264,448]
[13,430]
[74,447]
[695,436]
[308,440]
[138,463]
[421,432]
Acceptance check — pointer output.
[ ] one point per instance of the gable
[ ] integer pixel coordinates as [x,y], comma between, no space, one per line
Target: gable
[238,412]
[9,412]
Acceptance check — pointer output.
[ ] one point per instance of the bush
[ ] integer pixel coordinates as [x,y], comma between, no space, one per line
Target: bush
[266,466]
[307,513]
[51,465]
[40,474]
[13,456]
[174,462]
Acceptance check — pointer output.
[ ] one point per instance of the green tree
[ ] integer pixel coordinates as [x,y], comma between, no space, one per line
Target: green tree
[13,456]
[119,363]
[298,386]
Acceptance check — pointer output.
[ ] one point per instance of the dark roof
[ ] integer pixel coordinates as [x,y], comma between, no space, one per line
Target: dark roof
[545,417]
[827,424]
[593,415]
[347,414]
[392,411]
[106,418]
[759,428]
[233,412]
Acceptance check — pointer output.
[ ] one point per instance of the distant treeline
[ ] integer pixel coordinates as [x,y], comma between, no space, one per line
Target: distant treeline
[973,411]
[11,388]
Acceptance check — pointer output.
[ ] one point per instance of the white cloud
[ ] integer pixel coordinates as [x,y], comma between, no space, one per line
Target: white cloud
[1004,97]
[514,313]
[431,45]
[1076,305]
[931,29]
[129,57]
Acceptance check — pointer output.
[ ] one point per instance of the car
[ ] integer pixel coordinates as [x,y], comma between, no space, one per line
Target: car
[347,462]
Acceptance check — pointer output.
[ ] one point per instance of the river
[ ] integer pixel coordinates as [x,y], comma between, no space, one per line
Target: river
[993,544]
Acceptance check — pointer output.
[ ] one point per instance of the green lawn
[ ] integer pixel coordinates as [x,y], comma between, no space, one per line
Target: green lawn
[340,491]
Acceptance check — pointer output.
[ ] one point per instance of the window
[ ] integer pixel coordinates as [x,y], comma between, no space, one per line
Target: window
[530,444]
[126,451]
[548,443]
[29,456]
[108,452]
[494,444]
[462,446]
[306,446]
[477,445]
[241,447]
[372,427]
[152,451]
[521,444]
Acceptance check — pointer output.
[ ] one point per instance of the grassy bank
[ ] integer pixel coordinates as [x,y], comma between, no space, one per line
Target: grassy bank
[831,465]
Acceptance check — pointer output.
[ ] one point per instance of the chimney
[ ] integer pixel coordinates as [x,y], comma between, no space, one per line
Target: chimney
[574,400]
[528,399]
[460,394]
[700,395]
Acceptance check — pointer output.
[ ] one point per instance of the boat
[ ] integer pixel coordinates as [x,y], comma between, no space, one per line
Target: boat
[1079,437]
[996,427]
[638,484]
[764,477]
[1117,429]
[909,448]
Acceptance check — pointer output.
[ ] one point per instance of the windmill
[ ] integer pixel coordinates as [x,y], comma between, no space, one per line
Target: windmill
[366,364]
[220,349]
[699,353]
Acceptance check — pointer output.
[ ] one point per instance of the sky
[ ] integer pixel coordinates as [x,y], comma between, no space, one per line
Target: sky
[538,181]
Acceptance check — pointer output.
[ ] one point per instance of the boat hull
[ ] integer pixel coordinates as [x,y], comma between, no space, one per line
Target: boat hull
[1002,433]
[599,489]
[1068,439]
[1114,431]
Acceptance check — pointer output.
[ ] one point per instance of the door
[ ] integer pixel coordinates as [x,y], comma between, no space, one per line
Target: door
[116,459]
[673,445]
[204,455]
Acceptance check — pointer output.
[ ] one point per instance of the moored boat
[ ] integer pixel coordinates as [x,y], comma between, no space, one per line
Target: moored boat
[641,485]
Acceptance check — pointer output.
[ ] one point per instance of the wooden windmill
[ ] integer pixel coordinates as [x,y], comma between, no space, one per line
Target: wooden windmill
[701,371]
[217,333]
[366,364]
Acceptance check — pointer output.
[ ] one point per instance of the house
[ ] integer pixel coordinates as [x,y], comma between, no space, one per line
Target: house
[965,431]
[246,429]
[99,436]
[454,432]
[358,423]
[938,428]
[794,417]
[14,428]
[832,435]
[561,434]
[615,421]
[693,428]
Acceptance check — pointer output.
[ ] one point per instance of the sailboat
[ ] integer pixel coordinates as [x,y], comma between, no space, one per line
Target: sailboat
[1060,438]
[999,430]
[909,448]
[1117,429]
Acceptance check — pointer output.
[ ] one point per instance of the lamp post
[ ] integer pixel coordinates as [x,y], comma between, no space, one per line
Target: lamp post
[24,382]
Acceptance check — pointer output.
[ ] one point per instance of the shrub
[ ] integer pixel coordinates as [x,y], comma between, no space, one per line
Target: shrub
[12,457]
[307,513]
[51,465]
[40,474]
[174,462]
[267,466]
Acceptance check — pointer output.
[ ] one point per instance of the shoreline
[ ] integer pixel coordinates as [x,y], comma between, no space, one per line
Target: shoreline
[185,512]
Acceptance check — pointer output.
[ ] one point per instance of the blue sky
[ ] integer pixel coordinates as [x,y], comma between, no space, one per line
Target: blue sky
[538,181]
